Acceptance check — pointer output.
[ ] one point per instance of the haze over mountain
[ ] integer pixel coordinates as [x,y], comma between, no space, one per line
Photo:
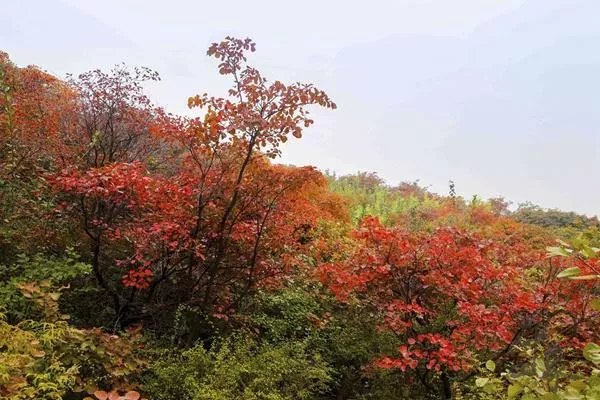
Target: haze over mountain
[499,97]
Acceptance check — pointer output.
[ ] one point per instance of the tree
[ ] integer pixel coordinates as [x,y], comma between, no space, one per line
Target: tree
[203,226]
[115,117]
[37,112]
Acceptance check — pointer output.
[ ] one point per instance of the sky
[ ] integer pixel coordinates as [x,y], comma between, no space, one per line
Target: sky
[499,96]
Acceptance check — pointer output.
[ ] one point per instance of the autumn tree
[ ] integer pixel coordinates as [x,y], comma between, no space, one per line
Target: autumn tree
[36,117]
[205,227]
[37,112]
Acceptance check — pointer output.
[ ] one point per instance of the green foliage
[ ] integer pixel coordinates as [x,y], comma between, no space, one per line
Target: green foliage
[370,196]
[344,336]
[239,368]
[30,360]
[566,225]
[53,271]
[283,315]
[552,218]
[56,270]
[536,382]
[47,358]
[591,352]
[191,325]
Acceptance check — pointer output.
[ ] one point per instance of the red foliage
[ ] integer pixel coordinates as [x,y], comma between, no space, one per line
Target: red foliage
[451,295]
[220,219]
[37,114]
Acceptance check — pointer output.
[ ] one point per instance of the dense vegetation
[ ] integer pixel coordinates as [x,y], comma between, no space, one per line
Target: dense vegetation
[150,255]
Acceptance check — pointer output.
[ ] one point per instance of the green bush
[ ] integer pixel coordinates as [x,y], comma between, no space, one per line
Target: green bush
[239,368]
[51,271]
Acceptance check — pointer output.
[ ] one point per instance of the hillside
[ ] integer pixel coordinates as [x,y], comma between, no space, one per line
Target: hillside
[151,255]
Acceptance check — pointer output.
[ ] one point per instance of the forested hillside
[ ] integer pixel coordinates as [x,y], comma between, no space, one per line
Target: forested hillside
[164,257]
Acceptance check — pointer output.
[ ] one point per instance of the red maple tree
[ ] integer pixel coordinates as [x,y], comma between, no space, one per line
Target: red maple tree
[221,218]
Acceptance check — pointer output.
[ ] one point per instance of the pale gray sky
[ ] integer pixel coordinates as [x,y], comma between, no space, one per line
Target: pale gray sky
[498,95]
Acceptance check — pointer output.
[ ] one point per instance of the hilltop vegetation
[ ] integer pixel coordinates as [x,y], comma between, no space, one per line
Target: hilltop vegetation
[150,255]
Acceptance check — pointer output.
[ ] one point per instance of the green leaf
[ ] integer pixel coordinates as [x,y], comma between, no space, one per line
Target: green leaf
[579,385]
[540,367]
[569,272]
[595,304]
[558,251]
[591,352]
[514,390]
[585,277]
[481,382]
[491,365]
[588,252]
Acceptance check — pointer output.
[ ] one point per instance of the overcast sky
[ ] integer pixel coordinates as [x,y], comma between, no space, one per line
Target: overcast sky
[499,96]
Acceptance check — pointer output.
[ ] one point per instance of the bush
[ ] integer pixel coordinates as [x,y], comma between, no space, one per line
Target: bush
[239,368]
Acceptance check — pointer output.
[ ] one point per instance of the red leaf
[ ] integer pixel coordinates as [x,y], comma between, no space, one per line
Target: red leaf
[101,394]
[132,395]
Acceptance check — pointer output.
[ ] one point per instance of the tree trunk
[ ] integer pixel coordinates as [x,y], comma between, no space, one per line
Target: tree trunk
[446,389]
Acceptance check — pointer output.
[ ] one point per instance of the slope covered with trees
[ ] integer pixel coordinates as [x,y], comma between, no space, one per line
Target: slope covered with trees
[150,255]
